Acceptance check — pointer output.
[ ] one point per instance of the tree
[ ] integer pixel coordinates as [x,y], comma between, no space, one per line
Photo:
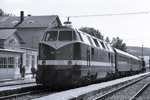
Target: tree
[92,31]
[107,39]
[2,13]
[118,43]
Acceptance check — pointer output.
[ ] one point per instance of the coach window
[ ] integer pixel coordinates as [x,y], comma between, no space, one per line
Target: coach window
[65,35]
[51,36]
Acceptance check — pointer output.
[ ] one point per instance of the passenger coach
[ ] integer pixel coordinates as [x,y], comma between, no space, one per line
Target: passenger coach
[127,64]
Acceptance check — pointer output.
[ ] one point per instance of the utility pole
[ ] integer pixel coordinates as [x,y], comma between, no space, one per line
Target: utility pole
[142,51]
[149,62]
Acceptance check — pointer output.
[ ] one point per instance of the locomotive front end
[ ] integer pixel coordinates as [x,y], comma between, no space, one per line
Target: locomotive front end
[56,54]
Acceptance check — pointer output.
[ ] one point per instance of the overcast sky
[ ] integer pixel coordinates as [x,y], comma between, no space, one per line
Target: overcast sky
[133,29]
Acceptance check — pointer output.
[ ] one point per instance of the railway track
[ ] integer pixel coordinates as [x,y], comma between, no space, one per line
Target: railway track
[5,83]
[129,91]
[14,84]
[142,94]
[37,93]
[107,93]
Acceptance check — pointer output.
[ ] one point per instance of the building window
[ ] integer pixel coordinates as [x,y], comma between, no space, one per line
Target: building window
[1,62]
[11,62]
[7,62]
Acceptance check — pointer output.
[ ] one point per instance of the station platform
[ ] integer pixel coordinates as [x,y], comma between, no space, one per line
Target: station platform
[75,94]
[10,86]
[27,77]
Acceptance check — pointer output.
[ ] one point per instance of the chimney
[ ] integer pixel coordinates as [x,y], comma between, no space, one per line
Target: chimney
[21,16]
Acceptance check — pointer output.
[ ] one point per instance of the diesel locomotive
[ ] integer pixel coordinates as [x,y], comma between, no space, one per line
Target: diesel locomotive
[69,57]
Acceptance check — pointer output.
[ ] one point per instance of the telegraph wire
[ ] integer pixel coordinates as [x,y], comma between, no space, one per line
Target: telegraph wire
[136,39]
[117,14]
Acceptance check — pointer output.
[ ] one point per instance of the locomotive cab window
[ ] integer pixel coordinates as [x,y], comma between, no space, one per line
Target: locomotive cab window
[51,36]
[65,36]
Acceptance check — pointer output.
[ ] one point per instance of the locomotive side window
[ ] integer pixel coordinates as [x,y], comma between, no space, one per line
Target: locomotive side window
[92,49]
[74,36]
[90,40]
[102,44]
[106,46]
[110,48]
[80,37]
[51,36]
[84,37]
[65,35]
[95,41]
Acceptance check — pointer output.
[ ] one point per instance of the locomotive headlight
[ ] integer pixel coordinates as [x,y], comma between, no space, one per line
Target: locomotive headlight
[69,62]
[43,62]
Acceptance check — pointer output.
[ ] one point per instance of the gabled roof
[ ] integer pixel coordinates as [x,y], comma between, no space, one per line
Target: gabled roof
[8,22]
[28,22]
[37,21]
[6,33]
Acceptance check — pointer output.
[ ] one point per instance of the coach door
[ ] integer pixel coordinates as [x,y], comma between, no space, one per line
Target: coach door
[88,59]
[111,60]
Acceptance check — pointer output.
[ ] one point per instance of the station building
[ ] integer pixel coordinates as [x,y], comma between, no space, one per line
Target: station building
[10,53]
[31,29]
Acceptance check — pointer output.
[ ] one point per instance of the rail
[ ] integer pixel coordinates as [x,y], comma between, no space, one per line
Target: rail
[140,91]
[102,97]
[26,93]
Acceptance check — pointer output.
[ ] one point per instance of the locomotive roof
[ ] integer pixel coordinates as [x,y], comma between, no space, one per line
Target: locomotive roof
[126,54]
[60,27]
[84,36]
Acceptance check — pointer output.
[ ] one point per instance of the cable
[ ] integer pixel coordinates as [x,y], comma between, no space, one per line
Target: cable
[108,14]
[137,39]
